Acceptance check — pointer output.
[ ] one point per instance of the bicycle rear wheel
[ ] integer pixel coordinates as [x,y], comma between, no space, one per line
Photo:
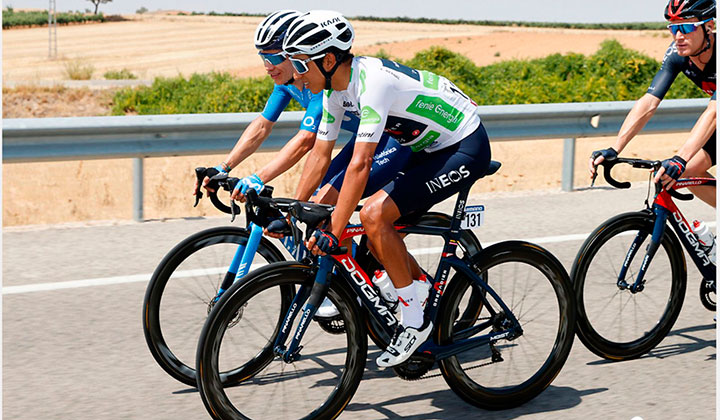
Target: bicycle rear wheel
[613,322]
[179,295]
[317,385]
[510,372]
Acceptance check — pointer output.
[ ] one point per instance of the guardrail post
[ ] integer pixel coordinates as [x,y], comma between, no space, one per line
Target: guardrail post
[138,189]
[568,169]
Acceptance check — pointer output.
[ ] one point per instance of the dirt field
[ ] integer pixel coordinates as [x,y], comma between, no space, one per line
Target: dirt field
[169,45]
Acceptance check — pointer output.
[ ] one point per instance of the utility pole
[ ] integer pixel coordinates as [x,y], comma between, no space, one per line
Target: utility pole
[52,30]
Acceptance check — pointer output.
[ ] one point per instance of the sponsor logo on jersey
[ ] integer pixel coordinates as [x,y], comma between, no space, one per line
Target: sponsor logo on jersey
[426,141]
[327,117]
[437,110]
[369,116]
[447,179]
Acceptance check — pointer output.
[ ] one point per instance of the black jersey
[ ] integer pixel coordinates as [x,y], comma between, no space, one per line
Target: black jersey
[674,64]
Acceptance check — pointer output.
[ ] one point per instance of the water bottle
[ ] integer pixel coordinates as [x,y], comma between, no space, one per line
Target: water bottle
[422,287]
[387,290]
[706,238]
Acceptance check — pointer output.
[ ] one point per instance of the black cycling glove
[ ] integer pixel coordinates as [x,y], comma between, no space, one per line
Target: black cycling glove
[609,154]
[674,167]
[326,241]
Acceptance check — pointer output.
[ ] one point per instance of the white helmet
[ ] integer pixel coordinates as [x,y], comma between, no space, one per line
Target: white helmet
[270,32]
[317,31]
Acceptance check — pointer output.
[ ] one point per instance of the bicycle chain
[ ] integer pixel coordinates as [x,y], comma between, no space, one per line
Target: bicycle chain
[440,374]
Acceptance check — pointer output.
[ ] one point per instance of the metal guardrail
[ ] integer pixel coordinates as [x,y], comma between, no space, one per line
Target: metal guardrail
[57,139]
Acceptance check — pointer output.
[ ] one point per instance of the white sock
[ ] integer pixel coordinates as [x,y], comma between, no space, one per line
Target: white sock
[410,306]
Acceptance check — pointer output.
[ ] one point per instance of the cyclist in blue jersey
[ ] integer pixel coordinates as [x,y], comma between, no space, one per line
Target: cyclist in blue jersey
[692,52]
[425,112]
[388,159]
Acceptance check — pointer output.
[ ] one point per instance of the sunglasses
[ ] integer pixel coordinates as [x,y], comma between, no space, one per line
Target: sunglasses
[300,66]
[685,28]
[273,59]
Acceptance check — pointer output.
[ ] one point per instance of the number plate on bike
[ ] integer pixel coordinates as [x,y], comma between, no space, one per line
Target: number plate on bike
[473,217]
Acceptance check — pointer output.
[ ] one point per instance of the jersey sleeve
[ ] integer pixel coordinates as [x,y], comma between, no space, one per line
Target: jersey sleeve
[669,69]
[276,104]
[313,113]
[374,108]
[332,117]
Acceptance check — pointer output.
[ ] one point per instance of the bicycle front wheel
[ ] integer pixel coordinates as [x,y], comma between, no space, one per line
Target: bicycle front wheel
[509,372]
[181,290]
[318,384]
[613,322]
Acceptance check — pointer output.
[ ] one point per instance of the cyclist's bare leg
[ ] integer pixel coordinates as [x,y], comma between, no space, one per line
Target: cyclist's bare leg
[415,270]
[377,216]
[327,195]
[697,167]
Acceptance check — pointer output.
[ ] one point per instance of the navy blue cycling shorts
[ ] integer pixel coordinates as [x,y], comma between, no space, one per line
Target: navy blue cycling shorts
[429,178]
[390,157]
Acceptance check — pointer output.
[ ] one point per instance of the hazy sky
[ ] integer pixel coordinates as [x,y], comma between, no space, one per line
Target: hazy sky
[518,10]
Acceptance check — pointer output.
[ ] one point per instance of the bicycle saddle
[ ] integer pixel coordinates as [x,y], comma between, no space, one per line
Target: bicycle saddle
[494,166]
[311,214]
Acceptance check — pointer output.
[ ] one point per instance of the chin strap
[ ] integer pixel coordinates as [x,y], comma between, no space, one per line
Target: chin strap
[290,82]
[706,38]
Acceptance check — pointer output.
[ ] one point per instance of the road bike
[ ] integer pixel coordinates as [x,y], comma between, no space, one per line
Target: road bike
[195,273]
[630,274]
[503,326]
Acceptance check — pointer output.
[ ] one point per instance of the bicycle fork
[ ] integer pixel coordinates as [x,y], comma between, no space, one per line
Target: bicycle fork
[242,260]
[312,299]
[661,215]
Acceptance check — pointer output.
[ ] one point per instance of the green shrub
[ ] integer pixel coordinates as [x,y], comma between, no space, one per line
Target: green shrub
[12,18]
[613,73]
[123,74]
[79,70]
[201,93]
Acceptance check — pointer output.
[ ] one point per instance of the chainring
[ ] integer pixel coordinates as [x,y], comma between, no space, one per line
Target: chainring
[708,295]
[413,369]
[333,325]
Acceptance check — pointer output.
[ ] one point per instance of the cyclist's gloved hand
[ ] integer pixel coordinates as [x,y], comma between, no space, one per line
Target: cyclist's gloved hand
[326,241]
[209,173]
[280,227]
[608,154]
[674,168]
[249,182]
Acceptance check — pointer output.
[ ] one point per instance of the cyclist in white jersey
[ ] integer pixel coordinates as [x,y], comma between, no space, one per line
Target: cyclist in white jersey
[423,111]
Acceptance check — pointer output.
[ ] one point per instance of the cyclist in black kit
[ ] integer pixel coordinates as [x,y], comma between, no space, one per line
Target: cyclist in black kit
[692,52]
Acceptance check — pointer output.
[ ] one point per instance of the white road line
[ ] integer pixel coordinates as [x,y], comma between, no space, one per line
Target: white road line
[42,287]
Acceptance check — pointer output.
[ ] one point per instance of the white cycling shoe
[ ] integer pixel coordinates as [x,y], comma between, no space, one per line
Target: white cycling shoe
[404,343]
[327,310]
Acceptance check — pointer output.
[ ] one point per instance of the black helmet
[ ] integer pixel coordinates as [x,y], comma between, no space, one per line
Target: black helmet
[688,9]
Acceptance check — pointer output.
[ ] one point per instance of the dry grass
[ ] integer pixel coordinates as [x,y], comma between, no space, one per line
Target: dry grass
[79,69]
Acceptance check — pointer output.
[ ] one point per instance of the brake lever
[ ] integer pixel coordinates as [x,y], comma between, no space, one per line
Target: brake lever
[200,175]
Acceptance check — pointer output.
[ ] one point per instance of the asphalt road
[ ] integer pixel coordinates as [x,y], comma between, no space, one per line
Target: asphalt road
[76,350]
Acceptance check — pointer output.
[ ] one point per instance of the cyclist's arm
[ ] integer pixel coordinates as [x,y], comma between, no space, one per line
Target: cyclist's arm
[316,165]
[353,186]
[298,146]
[253,136]
[639,115]
[319,159]
[700,133]
[288,156]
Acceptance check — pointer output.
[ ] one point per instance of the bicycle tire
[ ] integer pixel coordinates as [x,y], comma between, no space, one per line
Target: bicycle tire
[215,336]
[196,245]
[545,302]
[593,281]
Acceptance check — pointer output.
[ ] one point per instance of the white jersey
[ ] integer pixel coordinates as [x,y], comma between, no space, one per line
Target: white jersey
[418,108]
